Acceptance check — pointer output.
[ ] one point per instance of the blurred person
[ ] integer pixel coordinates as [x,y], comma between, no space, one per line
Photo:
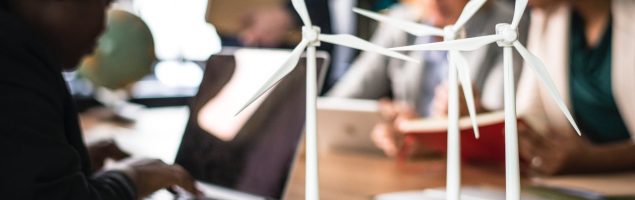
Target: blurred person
[273,27]
[412,87]
[41,144]
[587,46]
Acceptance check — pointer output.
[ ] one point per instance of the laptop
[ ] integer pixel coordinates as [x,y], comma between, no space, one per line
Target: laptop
[250,155]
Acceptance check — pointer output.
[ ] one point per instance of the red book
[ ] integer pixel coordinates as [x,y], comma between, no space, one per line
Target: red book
[431,134]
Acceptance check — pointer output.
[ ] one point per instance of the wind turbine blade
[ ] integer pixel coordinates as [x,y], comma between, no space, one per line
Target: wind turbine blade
[469,44]
[519,10]
[464,76]
[357,43]
[300,7]
[470,9]
[409,27]
[541,71]
[285,69]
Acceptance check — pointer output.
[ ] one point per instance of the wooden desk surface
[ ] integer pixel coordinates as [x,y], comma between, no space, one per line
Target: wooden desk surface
[354,175]
[343,175]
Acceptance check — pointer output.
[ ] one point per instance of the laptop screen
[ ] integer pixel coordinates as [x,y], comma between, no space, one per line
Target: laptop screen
[252,152]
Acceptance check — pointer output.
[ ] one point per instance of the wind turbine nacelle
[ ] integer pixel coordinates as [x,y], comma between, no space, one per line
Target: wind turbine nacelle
[312,34]
[510,35]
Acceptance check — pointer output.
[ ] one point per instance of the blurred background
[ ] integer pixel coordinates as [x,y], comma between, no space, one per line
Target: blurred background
[167,72]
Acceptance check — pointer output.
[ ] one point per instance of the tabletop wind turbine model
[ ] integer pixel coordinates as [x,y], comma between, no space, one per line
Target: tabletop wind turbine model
[457,64]
[311,38]
[507,37]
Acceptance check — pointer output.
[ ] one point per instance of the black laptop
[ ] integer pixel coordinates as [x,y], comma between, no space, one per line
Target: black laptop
[256,160]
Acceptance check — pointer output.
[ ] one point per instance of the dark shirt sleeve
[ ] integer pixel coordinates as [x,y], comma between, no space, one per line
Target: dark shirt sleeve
[39,159]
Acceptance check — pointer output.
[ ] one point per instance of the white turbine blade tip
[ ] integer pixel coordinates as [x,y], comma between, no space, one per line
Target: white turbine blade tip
[282,72]
[257,95]
[464,76]
[575,126]
[539,68]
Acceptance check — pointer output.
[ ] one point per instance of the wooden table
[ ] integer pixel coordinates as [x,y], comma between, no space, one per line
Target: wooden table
[355,175]
[343,175]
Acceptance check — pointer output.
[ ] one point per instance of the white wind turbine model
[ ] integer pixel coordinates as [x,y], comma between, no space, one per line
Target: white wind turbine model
[507,37]
[311,38]
[458,66]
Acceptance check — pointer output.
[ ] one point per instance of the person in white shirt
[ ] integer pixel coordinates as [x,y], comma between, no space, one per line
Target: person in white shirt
[416,90]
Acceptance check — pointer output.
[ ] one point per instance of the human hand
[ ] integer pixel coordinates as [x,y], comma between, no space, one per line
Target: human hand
[266,27]
[440,101]
[102,150]
[150,175]
[553,153]
[385,135]
[387,138]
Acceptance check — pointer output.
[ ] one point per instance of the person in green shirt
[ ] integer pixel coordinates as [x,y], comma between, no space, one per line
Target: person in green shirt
[584,44]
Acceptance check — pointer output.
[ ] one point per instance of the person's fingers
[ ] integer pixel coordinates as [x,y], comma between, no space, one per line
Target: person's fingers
[440,101]
[442,90]
[405,111]
[114,152]
[375,135]
[533,150]
[119,155]
[386,106]
[439,107]
[537,150]
[526,148]
[536,163]
[549,159]
[387,110]
[542,165]
[185,180]
[528,133]
[383,139]
[380,137]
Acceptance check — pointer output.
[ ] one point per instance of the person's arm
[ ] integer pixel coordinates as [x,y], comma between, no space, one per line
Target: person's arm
[607,158]
[556,153]
[101,150]
[38,162]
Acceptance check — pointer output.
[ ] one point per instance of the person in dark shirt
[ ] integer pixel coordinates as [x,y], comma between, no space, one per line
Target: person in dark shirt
[41,146]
